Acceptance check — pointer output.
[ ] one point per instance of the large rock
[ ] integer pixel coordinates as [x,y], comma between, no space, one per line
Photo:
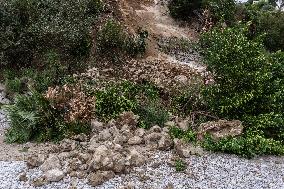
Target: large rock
[135,158]
[135,140]
[139,132]
[104,135]
[54,175]
[220,129]
[155,129]
[119,161]
[165,143]
[67,145]
[100,177]
[35,161]
[185,149]
[50,163]
[97,126]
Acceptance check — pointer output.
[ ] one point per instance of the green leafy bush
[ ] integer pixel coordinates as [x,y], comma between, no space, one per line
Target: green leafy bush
[249,145]
[152,114]
[248,85]
[112,41]
[272,23]
[241,72]
[29,27]
[142,99]
[189,135]
[184,9]
[53,73]
[116,99]
[222,10]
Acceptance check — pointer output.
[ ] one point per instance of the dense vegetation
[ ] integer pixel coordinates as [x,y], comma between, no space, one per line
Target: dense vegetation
[248,76]
[42,44]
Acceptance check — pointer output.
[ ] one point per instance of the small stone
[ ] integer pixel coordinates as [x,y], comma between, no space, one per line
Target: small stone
[170,186]
[155,129]
[23,177]
[181,79]
[104,135]
[97,178]
[152,137]
[35,161]
[81,137]
[165,143]
[97,126]
[54,175]
[136,140]
[139,132]
[170,124]
[39,182]
[183,125]
[67,145]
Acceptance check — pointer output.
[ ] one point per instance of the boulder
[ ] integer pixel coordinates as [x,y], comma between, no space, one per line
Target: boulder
[152,137]
[50,163]
[155,129]
[220,129]
[99,177]
[54,175]
[96,126]
[139,132]
[185,149]
[35,161]
[165,143]
[135,158]
[104,135]
[136,140]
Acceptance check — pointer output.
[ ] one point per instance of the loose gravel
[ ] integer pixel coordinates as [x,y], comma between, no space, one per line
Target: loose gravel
[206,172]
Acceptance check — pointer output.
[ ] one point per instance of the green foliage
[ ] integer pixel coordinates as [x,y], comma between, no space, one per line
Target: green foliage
[183,9]
[53,73]
[29,27]
[241,72]
[272,23]
[115,100]
[113,41]
[189,135]
[34,118]
[222,10]
[248,146]
[141,99]
[248,85]
[152,114]
[180,165]
[189,101]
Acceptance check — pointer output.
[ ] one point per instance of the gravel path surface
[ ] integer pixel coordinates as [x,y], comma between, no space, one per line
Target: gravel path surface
[207,172]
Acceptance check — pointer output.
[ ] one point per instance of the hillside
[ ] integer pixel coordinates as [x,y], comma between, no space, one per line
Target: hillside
[162,94]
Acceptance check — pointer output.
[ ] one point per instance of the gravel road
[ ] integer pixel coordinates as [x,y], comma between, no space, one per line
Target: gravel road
[210,171]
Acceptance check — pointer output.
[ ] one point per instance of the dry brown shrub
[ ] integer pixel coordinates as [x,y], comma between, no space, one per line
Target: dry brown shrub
[72,101]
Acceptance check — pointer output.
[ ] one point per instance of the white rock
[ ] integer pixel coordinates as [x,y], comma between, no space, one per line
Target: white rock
[135,140]
[54,175]
[50,163]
